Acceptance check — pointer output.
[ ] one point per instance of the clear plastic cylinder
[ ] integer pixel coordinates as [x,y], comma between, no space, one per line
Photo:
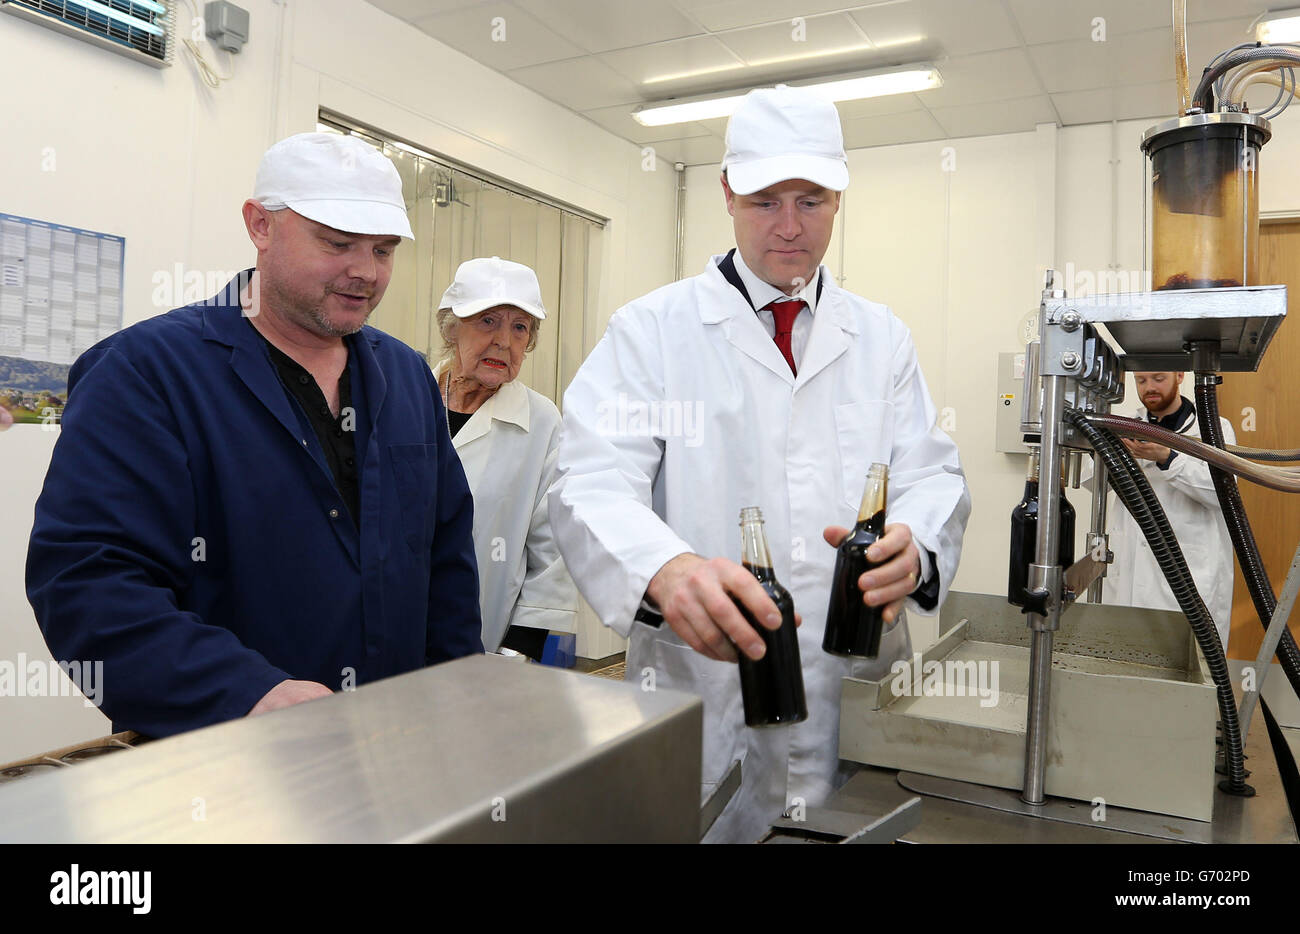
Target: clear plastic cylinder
[1203,207]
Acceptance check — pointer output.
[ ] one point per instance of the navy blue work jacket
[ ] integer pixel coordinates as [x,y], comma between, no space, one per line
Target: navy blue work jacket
[190,536]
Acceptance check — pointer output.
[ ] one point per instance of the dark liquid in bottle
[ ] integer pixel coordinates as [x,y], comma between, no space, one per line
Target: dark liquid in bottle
[1024,542]
[772,687]
[852,627]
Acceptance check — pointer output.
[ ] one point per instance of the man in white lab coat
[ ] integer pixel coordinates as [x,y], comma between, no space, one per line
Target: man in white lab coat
[704,397]
[1186,491]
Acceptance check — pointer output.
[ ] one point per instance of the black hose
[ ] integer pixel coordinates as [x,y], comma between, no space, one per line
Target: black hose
[1134,491]
[1243,539]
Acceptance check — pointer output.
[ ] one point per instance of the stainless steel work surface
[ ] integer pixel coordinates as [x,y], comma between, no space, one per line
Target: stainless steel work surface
[1264,818]
[480,749]
[965,718]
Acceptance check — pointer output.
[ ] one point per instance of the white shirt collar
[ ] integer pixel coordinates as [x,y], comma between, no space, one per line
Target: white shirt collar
[763,293]
[507,404]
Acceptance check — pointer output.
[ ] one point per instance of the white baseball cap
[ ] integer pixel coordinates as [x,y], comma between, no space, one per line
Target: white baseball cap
[780,133]
[485,282]
[335,180]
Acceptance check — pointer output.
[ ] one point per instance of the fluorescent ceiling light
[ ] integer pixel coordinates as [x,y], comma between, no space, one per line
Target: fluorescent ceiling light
[760,63]
[876,84]
[1279,26]
[664,114]
[785,59]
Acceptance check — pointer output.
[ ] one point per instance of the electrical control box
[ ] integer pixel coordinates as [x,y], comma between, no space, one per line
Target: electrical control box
[1011,376]
[226,24]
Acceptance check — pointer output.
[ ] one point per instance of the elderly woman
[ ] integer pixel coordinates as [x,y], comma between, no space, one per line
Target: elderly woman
[506,435]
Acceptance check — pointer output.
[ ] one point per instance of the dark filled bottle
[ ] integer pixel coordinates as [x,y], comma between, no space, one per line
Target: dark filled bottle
[1024,536]
[772,687]
[852,627]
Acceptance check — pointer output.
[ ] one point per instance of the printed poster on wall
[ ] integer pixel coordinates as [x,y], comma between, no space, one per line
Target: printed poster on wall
[60,293]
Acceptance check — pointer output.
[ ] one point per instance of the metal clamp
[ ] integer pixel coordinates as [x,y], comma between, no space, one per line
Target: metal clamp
[1044,598]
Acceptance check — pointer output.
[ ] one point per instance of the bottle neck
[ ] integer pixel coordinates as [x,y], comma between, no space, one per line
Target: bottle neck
[871,514]
[754,552]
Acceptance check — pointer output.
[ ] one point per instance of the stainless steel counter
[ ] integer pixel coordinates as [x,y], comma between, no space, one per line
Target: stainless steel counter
[1265,818]
[480,749]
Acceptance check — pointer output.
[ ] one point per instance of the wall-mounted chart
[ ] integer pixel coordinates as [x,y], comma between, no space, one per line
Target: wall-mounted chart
[60,293]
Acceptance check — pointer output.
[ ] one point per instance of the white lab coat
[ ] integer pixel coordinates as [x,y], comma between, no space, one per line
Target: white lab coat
[508,450]
[1186,492]
[732,427]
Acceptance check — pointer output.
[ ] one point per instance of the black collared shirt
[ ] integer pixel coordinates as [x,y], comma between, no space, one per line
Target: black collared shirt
[337,436]
[1174,422]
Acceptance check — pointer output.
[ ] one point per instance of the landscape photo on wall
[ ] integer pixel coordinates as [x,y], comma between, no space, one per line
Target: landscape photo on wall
[32,390]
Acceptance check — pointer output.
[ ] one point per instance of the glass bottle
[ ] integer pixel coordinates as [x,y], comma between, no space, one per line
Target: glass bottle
[852,627]
[1024,535]
[772,687]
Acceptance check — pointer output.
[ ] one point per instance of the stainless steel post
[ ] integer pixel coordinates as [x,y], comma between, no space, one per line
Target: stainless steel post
[1100,478]
[1044,573]
[1272,636]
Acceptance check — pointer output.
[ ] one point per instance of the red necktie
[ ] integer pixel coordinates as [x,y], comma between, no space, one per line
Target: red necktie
[784,313]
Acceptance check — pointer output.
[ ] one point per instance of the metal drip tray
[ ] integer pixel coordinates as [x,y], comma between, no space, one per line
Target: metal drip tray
[1131,717]
[1153,329]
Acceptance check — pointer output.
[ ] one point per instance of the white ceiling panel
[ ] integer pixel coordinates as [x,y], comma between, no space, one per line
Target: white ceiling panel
[976,79]
[912,127]
[1015,116]
[1096,106]
[1205,40]
[878,106]
[717,126]
[1043,21]
[1158,101]
[1082,65]
[780,42]
[600,25]
[967,26]
[716,15]
[521,40]
[415,9]
[1203,11]
[699,150]
[671,64]
[1155,101]
[1007,64]
[1136,58]
[579,84]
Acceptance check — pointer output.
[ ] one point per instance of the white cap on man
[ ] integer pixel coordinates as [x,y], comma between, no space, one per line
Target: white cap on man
[487,282]
[335,180]
[776,134]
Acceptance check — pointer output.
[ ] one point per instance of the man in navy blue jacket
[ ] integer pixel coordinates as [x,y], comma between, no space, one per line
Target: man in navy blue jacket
[254,500]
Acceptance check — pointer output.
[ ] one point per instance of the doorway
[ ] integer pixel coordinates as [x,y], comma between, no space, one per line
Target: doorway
[1262,407]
